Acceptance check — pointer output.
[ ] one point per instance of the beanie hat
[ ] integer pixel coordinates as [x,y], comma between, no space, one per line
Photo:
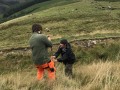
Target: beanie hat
[63,41]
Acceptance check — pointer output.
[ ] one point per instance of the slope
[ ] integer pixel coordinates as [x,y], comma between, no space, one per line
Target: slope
[79,19]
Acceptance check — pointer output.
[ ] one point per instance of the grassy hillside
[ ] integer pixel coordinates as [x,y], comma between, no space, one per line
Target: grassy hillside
[96,67]
[9,7]
[84,19]
[42,6]
[18,73]
[17,70]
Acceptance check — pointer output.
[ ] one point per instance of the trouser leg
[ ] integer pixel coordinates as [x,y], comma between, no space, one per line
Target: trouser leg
[40,72]
[68,70]
[51,74]
[51,70]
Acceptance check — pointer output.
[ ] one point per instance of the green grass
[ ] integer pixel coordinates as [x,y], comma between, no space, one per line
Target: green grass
[39,7]
[43,6]
[82,18]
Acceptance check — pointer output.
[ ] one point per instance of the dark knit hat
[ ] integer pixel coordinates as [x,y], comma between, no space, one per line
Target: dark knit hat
[63,41]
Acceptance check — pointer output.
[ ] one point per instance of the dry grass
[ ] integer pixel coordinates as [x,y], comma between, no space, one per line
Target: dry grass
[95,76]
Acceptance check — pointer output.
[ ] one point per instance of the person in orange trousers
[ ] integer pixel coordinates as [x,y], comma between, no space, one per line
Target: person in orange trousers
[39,44]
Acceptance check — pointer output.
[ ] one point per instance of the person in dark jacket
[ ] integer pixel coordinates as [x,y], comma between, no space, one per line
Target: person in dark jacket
[67,56]
[39,44]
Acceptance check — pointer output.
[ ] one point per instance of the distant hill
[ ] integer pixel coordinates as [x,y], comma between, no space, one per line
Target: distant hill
[12,1]
[10,7]
[6,4]
[3,7]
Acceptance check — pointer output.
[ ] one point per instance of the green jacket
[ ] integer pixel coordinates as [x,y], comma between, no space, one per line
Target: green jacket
[39,44]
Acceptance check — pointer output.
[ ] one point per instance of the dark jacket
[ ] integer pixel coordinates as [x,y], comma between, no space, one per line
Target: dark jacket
[39,44]
[67,56]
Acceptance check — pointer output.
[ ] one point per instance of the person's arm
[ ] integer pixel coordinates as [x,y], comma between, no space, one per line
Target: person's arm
[47,41]
[57,53]
[63,58]
[54,56]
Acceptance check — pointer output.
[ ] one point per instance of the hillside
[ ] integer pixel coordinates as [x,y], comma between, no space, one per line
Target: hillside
[91,26]
[9,7]
[5,5]
[85,19]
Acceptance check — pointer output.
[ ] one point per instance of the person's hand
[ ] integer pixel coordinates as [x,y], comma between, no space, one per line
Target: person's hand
[49,38]
[53,58]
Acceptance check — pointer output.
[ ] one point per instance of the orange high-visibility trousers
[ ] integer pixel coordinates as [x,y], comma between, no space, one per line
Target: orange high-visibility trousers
[48,67]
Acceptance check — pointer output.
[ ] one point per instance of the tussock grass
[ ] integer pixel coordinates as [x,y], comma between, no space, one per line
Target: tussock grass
[94,76]
[17,71]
